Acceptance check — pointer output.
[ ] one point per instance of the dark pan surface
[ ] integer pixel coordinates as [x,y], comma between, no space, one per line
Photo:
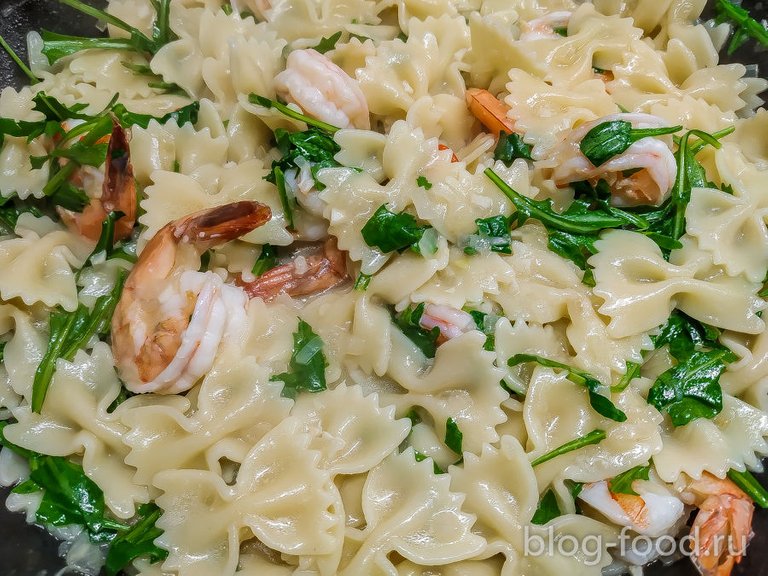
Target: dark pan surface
[28,551]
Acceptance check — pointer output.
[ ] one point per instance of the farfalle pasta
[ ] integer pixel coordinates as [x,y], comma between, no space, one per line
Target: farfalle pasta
[413,287]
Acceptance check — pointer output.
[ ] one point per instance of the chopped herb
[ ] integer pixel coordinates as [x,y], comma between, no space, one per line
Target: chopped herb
[421,457]
[185,114]
[361,284]
[622,484]
[510,147]
[422,182]
[493,231]
[488,328]
[2,350]
[70,331]
[286,202]
[328,44]
[227,9]
[414,416]
[610,139]
[632,372]
[547,510]
[266,260]
[136,542]
[743,24]
[601,404]
[594,437]
[561,30]
[389,231]
[751,487]
[408,321]
[306,369]
[454,439]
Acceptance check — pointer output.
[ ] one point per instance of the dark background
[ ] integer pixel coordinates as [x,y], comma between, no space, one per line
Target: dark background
[28,551]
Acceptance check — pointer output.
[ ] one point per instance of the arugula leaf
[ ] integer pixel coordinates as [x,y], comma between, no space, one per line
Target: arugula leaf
[594,437]
[548,509]
[482,322]
[691,389]
[389,231]
[510,147]
[55,110]
[185,114]
[306,369]
[266,260]
[610,139]
[361,284]
[328,44]
[601,404]
[105,243]
[574,247]
[454,438]
[19,62]
[419,457]
[408,321]
[744,25]
[290,113]
[491,232]
[286,202]
[136,542]
[622,484]
[70,331]
[751,486]
[684,336]
[632,372]
[423,182]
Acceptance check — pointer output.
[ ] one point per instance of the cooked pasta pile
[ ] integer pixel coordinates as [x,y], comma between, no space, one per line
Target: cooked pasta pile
[495,273]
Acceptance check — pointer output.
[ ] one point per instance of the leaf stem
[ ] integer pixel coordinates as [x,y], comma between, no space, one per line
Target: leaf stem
[19,62]
[594,437]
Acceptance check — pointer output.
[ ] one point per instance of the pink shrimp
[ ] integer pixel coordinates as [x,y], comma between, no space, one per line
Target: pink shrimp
[490,111]
[544,27]
[451,322]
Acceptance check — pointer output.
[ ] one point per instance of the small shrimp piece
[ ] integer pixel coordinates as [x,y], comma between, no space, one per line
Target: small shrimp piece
[723,525]
[323,90]
[454,158]
[644,174]
[651,513]
[491,111]
[305,276]
[451,322]
[118,191]
[170,319]
[543,28]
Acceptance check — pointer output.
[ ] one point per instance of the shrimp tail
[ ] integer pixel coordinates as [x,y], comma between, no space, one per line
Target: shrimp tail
[489,110]
[119,190]
[220,224]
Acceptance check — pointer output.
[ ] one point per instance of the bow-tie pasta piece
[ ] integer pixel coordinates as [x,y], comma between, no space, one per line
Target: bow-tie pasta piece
[410,510]
[280,497]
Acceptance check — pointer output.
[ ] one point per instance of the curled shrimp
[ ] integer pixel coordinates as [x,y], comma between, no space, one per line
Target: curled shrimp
[303,276]
[170,318]
[544,27]
[450,321]
[652,513]
[491,111]
[323,90]
[644,174]
[118,191]
[723,525]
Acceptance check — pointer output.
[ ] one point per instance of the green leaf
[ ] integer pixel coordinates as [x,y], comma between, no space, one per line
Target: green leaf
[454,439]
[622,484]
[610,139]
[423,182]
[306,369]
[632,372]
[574,247]
[57,46]
[136,542]
[684,336]
[744,25]
[510,147]
[70,331]
[691,389]
[328,44]
[361,284]
[56,111]
[105,243]
[594,437]
[493,232]
[185,114]
[408,321]
[601,404]
[482,322]
[290,113]
[266,260]
[18,61]
[751,486]
[547,510]
[389,231]
[10,212]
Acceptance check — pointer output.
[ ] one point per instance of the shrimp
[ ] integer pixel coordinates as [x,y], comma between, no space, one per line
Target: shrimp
[451,322]
[723,525]
[302,277]
[323,90]
[653,512]
[544,27]
[170,319]
[118,191]
[644,174]
[491,111]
